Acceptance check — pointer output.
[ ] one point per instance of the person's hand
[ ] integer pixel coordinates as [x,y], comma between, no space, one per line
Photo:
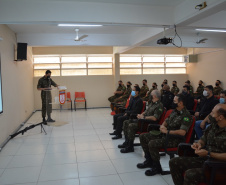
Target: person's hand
[140,116]
[162,126]
[196,146]
[198,100]
[163,130]
[201,153]
[197,114]
[202,124]
[125,114]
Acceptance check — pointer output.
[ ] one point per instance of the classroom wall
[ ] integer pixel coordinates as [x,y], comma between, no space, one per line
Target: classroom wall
[17,85]
[210,67]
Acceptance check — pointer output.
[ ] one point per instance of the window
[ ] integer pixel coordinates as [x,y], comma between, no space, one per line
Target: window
[155,64]
[73,65]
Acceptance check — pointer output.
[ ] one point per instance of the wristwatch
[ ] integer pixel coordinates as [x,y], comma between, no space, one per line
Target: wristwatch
[208,155]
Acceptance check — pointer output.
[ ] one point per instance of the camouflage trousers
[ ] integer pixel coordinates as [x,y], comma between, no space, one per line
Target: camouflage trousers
[112,98]
[146,98]
[46,104]
[192,166]
[152,143]
[130,128]
[120,100]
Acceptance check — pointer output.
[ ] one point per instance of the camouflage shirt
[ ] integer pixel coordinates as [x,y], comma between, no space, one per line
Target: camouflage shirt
[154,109]
[127,92]
[191,90]
[149,92]
[215,138]
[143,91]
[217,90]
[175,90]
[179,120]
[200,90]
[121,88]
[45,83]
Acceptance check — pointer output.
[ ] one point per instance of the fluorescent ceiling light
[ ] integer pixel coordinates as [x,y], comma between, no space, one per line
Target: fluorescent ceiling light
[211,30]
[78,25]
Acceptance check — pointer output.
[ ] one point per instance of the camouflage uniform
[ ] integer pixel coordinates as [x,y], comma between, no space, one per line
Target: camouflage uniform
[154,140]
[146,98]
[130,127]
[143,91]
[191,90]
[120,88]
[214,139]
[217,90]
[175,90]
[125,96]
[46,95]
[199,90]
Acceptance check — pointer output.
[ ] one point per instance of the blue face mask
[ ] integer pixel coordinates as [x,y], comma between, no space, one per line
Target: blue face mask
[221,100]
[133,93]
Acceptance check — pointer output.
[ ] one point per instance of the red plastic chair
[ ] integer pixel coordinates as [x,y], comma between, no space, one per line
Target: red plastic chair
[68,99]
[195,104]
[79,97]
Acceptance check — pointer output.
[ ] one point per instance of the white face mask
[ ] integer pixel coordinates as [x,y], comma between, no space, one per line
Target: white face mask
[205,93]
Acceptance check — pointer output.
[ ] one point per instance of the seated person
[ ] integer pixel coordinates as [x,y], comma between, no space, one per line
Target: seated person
[165,82]
[135,107]
[119,91]
[199,91]
[217,89]
[201,125]
[126,94]
[130,127]
[175,90]
[209,145]
[188,83]
[167,97]
[178,123]
[144,89]
[154,87]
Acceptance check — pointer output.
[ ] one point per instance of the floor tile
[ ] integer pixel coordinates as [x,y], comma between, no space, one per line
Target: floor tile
[101,180]
[59,158]
[60,182]
[98,168]
[116,154]
[58,172]
[32,150]
[5,160]
[83,146]
[96,155]
[61,148]
[61,140]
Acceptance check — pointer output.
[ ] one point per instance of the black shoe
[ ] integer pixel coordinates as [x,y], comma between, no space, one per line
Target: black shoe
[117,137]
[128,149]
[50,120]
[44,123]
[123,145]
[146,164]
[113,133]
[153,171]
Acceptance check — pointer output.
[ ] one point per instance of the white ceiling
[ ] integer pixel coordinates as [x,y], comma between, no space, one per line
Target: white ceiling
[128,23]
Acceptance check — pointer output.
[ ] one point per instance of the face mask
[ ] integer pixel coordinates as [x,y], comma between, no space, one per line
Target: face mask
[176,105]
[128,86]
[184,93]
[164,91]
[200,84]
[174,85]
[153,87]
[216,84]
[222,100]
[48,77]
[133,93]
[120,85]
[212,119]
[162,85]
[143,83]
[205,93]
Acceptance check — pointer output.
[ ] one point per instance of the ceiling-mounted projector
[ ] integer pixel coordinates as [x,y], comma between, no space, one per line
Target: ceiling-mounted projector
[164,41]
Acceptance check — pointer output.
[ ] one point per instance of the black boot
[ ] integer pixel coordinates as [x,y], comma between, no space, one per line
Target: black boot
[117,136]
[147,163]
[125,144]
[44,121]
[113,133]
[156,169]
[128,148]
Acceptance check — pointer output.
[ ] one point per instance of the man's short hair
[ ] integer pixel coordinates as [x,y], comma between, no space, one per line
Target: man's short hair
[188,82]
[175,81]
[129,83]
[136,85]
[48,71]
[157,94]
[187,87]
[137,88]
[201,81]
[155,83]
[182,98]
[219,81]
[120,81]
[222,112]
[223,92]
[145,80]
[210,87]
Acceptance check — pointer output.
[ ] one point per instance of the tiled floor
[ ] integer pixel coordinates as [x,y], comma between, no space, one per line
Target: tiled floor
[79,153]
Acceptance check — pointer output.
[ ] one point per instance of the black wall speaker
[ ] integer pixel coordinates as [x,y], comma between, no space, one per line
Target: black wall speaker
[21,51]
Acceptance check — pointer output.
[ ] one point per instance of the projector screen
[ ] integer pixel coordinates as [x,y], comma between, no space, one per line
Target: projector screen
[1,106]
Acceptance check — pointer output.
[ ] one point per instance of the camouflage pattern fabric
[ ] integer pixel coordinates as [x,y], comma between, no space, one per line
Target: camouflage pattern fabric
[217,90]
[175,90]
[143,91]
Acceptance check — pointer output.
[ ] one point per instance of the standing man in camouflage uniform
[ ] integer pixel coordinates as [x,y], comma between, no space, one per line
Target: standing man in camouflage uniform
[217,90]
[144,89]
[175,90]
[126,94]
[130,127]
[119,91]
[211,144]
[199,91]
[178,123]
[44,84]
[154,87]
